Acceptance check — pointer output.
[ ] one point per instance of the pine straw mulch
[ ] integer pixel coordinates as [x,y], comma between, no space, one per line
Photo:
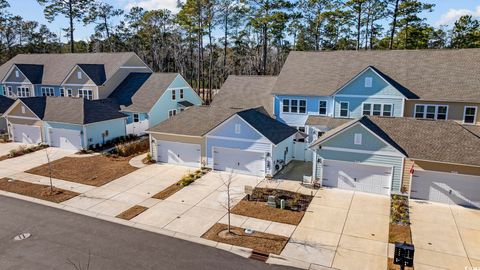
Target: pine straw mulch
[399,233]
[258,241]
[391,266]
[169,191]
[94,171]
[38,191]
[132,212]
[262,211]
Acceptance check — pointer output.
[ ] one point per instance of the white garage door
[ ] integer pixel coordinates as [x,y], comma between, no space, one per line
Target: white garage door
[359,177]
[446,188]
[239,161]
[65,138]
[186,154]
[26,134]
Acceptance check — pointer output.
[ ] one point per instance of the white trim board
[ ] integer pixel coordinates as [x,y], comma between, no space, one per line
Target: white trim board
[348,150]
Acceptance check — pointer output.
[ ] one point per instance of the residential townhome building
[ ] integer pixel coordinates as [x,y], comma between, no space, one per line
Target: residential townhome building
[314,87]
[150,98]
[87,75]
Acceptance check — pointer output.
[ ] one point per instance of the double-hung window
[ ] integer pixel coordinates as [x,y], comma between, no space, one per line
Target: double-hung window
[84,93]
[172,113]
[23,91]
[9,91]
[181,93]
[294,105]
[48,91]
[69,92]
[377,109]
[62,92]
[174,95]
[344,109]
[470,115]
[322,107]
[136,118]
[437,112]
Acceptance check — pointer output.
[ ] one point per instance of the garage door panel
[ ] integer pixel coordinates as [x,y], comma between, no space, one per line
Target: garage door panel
[186,154]
[358,177]
[239,161]
[446,188]
[26,134]
[65,138]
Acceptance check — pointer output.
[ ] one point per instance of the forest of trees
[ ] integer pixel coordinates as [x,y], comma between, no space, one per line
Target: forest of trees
[209,39]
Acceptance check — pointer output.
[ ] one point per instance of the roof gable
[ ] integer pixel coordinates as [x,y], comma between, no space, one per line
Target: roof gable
[128,87]
[5,103]
[96,72]
[34,73]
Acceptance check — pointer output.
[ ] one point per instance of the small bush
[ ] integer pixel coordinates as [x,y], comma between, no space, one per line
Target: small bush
[22,150]
[133,148]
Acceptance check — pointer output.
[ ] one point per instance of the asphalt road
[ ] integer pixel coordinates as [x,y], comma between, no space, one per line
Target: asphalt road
[59,237]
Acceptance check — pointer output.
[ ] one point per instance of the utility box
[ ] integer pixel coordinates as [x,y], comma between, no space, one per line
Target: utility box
[271,201]
[403,255]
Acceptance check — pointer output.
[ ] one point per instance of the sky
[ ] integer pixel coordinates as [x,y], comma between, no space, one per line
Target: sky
[445,12]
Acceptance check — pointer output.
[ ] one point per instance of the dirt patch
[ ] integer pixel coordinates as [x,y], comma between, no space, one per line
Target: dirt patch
[399,233]
[391,266]
[169,191]
[132,212]
[259,241]
[38,191]
[95,171]
[262,211]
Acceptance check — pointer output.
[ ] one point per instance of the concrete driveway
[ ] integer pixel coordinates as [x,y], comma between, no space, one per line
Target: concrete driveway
[344,230]
[197,207]
[445,237]
[5,148]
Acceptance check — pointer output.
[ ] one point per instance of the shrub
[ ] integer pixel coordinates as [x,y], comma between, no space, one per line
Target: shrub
[133,148]
[187,180]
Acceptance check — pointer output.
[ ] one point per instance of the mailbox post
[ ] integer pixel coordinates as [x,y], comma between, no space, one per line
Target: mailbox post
[403,255]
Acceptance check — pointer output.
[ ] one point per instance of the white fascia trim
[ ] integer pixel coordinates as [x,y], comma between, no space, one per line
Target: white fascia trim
[237,139]
[70,74]
[442,162]
[22,117]
[371,96]
[10,71]
[347,150]
[125,117]
[15,104]
[80,85]
[19,83]
[239,149]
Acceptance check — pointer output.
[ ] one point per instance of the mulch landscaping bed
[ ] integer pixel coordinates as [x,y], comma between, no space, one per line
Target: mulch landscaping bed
[295,206]
[185,181]
[38,191]
[259,241]
[399,229]
[262,211]
[95,171]
[132,212]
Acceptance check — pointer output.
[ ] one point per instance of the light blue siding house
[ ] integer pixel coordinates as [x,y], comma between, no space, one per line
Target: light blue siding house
[150,98]
[354,157]
[250,142]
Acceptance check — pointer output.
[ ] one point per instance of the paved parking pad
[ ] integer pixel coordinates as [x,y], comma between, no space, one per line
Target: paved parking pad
[344,230]
[445,236]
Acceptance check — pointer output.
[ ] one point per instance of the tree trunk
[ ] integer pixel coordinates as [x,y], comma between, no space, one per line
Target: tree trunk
[210,69]
[359,23]
[199,55]
[394,24]
[265,50]
[225,43]
[367,24]
[70,16]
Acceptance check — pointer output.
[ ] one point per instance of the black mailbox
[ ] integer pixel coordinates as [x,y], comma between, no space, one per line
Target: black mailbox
[403,255]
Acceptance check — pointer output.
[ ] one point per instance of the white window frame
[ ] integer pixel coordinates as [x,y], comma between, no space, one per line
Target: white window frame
[181,94]
[290,101]
[69,92]
[9,91]
[174,95]
[62,92]
[85,93]
[358,139]
[425,106]
[48,91]
[136,117]
[23,91]
[382,108]
[474,115]
[368,82]
[320,107]
[172,113]
[238,128]
[340,109]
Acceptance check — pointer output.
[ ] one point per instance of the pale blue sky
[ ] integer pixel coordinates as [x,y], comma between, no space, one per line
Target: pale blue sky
[446,11]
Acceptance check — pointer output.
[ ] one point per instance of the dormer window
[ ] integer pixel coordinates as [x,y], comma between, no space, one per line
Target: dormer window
[17,73]
[368,82]
[79,75]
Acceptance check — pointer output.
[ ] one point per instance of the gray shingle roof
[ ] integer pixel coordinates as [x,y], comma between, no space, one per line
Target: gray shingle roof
[72,110]
[441,141]
[34,73]
[144,95]
[195,121]
[57,66]
[329,122]
[5,103]
[245,92]
[443,75]
[96,72]
[273,130]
